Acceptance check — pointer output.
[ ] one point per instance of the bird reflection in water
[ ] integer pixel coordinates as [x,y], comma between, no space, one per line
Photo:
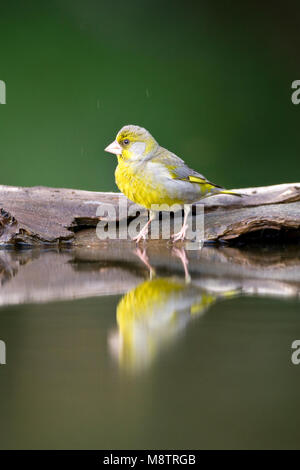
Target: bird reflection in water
[155,312]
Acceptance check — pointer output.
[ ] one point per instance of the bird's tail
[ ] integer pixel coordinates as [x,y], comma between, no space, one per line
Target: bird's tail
[208,186]
[231,193]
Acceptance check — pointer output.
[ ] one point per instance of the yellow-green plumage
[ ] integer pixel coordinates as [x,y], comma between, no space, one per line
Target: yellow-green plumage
[152,176]
[149,174]
[141,187]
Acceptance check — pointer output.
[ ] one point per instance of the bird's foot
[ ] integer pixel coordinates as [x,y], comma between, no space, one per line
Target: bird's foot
[142,235]
[180,235]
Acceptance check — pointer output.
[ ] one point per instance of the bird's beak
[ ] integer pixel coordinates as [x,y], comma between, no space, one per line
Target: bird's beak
[114,147]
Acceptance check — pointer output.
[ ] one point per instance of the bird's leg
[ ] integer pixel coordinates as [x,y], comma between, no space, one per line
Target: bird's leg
[181,234]
[144,231]
[144,258]
[181,254]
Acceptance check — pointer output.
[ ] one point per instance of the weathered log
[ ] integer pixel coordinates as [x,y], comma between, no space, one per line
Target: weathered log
[42,215]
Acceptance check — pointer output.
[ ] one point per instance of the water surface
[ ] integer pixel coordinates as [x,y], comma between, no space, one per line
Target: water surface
[163,363]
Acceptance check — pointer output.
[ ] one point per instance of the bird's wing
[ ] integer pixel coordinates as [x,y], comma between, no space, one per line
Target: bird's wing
[179,170]
[187,174]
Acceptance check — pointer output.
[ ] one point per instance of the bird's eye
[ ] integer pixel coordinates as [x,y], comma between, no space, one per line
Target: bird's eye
[126,141]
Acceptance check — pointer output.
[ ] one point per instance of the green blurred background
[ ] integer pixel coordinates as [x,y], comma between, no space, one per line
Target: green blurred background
[211,81]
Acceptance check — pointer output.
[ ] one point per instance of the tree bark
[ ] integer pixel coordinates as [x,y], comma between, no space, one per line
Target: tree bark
[40,215]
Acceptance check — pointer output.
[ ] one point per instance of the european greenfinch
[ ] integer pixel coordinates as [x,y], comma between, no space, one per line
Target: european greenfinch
[151,175]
